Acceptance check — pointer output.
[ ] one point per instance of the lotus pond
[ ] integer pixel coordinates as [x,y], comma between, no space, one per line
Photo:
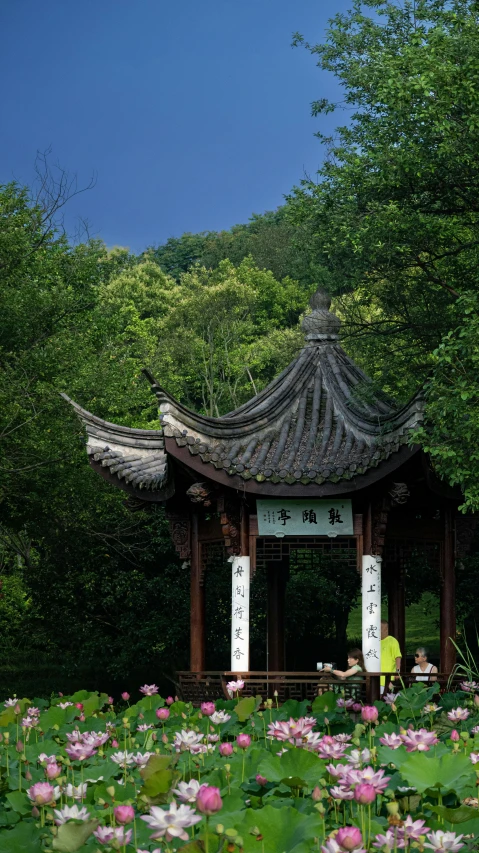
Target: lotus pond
[87,773]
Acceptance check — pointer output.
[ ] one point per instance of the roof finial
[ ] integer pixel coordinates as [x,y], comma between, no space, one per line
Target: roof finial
[321,324]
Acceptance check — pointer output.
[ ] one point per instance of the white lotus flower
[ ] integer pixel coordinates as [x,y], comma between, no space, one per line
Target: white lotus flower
[70,813]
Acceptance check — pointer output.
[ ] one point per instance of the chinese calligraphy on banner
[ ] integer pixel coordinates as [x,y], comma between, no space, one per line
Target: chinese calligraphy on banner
[305,518]
[240,578]
[371,606]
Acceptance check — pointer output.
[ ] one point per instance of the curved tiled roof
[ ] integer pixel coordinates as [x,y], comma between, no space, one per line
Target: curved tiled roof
[134,459]
[319,422]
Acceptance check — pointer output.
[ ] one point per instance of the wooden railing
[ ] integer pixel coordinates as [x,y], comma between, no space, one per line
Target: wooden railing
[197,687]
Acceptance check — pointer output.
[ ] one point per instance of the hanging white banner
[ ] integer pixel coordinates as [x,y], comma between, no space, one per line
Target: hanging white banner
[371,613]
[240,577]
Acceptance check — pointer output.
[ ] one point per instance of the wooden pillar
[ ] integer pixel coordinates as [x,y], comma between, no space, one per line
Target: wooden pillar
[277,574]
[397,606]
[197,603]
[448,594]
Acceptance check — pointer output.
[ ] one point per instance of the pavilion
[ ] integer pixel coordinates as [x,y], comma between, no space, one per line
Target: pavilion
[317,440]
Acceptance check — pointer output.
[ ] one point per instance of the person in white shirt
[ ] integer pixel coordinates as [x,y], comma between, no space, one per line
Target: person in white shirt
[423,669]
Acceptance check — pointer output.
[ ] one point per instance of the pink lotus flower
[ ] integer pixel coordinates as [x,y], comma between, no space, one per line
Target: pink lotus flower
[458,714]
[209,801]
[124,814]
[149,689]
[369,714]
[162,713]
[454,736]
[293,731]
[364,794]
[169,700]
[118,834]
[349,837]
[368,775]
[345,703]
[356,707]
[52,770]
[70,813]
[42,793]
[338,771]
[187,791]
[390,698]
[414,828]
[125,696]
[444,842]
[474,756]
[331,750]
[338,792]
[79,705]
[171,823]
[420,741]
[235,686]
[208,708]
[342,738]
[243,740]
[226,749]
[469,686]
[391,840]
[111,701]
[261,780]
[79,751]
[393,740]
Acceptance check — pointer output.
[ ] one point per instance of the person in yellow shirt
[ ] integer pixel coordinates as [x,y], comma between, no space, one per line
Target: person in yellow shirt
[390,653]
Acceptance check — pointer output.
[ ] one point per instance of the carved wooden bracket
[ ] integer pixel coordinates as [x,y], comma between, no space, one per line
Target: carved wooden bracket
[230,524]
[180,534]
[200,493]
[399,493]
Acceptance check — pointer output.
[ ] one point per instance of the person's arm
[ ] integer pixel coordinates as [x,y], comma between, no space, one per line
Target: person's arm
[434,669]
[398,662]
[340,674]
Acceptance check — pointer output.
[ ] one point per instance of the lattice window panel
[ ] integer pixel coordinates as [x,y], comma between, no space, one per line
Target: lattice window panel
[407,552]
[304,548]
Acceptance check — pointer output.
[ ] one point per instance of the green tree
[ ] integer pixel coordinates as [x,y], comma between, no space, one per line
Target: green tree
[394,212]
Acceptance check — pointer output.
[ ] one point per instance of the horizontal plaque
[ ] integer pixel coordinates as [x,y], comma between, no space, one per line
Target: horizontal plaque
[304,518]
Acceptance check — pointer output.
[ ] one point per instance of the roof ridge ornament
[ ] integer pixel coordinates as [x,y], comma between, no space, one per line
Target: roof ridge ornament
[321,325]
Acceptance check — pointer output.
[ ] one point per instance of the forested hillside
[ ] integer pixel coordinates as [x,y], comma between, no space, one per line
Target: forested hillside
[389,225]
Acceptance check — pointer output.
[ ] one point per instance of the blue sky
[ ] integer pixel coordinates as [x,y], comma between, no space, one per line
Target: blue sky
[192,115]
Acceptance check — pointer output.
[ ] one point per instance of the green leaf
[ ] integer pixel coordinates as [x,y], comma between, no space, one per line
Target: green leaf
[53,717]
[71,836]
[324,703]
[284,829]
[19,802]
[459,815]
[23,838]
[157,775]
[245,708]
[296,768]
[449,772]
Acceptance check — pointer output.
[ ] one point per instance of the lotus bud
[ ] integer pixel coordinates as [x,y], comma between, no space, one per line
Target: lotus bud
[169,700]
[162,713]
[349,837]
[243,740]
[125,696]
[369,714]
[17,710]
[52,770]
[114,743]
[82,718]
[79,705]
[261,780]
[455,735]
[219,829]
[28,776]
[226,749]
[19,746]
[317,795]
[364,794]
[208,800]
[184,715]
[164,738]
[35,812]
[110,700]
[7,737]
[124,814]
[111,791]
[356,707]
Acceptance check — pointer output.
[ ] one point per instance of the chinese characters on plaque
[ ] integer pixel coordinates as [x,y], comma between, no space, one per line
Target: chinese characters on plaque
[240,577]
[371,615]
[305,518]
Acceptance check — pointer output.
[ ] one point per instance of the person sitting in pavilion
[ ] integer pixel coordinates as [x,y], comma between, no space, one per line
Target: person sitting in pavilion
[422,666]
[355,665]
